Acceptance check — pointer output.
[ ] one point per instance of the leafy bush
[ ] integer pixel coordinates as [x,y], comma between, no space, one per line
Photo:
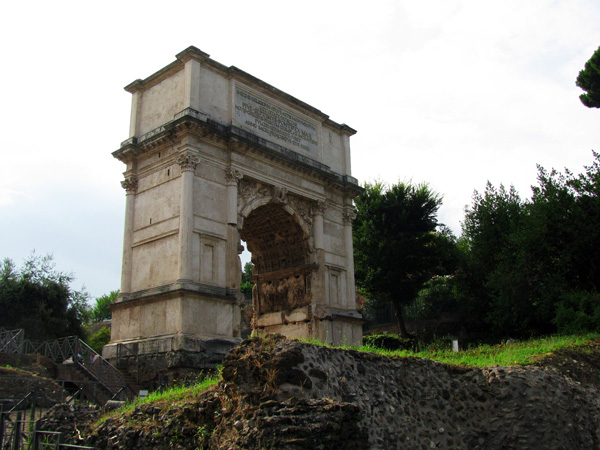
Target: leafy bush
[389,342]
[437,295]
[99,339]
[578,312]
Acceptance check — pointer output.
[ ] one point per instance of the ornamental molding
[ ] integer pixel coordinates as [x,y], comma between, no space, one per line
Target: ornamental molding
[250,192]
[253,194]
[130,184]
[187,161]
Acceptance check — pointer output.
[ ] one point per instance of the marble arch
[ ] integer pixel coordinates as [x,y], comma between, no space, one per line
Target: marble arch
[214,156]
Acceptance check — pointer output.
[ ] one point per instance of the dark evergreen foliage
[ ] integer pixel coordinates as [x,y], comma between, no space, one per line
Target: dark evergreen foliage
[396,245]
[589,81]
[533,267]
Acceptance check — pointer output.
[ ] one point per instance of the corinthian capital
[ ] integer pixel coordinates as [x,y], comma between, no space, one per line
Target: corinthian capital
[130,184]
[187,161]
[233,176]
[349,215]
[320,207]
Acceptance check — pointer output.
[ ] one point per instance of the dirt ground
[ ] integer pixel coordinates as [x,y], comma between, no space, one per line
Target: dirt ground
[581,364]
[20,374]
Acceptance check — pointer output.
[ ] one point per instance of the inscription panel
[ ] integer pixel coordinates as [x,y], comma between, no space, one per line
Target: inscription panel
[260,117]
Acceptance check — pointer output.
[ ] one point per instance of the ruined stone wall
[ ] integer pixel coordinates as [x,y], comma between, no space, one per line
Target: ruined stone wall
[413,403]
[290,395]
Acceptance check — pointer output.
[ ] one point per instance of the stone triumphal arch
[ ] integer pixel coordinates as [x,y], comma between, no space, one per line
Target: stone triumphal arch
[216,156]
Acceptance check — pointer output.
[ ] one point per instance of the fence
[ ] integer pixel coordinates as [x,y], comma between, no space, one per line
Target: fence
[11,341]
[69,350]
[19,432]
[73,350]
[125,353]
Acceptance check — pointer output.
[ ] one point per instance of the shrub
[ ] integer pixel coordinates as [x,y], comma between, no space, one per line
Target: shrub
[578,312]
[99,339]
[437,295]
[389,342]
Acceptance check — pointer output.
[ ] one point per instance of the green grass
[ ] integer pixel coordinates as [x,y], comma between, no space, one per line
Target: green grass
[168,397]
[178,393]
[516,354]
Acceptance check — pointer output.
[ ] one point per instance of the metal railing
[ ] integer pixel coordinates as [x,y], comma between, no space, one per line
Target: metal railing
[11,341]
[22,433]
[65,351]
[90,390]
[52,440]
[124,353]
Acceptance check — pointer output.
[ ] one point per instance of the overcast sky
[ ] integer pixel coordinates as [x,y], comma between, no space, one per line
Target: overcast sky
[452,93]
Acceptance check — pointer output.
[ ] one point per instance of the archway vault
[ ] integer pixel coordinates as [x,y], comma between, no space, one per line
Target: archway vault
[281,255]
[275,238]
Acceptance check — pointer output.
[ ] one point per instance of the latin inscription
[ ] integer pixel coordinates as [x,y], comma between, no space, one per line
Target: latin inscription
[274,123]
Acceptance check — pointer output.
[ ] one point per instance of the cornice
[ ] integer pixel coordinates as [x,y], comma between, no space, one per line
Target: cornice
[164,73]
[190,121]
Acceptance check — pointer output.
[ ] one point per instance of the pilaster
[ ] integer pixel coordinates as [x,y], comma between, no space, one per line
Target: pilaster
[349,215]
[188,161]
[130,185]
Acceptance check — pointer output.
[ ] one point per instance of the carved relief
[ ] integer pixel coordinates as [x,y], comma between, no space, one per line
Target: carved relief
[130,185]
[279,195]
[275,239]
[250,191]
[279,245]
[282,293]
[302,208]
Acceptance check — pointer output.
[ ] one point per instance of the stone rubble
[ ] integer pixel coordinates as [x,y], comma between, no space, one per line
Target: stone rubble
[71,420]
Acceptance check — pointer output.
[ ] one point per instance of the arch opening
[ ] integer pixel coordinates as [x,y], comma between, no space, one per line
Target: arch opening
[281,258]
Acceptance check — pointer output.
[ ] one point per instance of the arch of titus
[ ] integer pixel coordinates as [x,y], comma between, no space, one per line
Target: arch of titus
[216,156]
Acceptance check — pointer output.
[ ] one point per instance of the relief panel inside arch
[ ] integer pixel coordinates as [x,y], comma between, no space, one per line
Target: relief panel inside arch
[280,253]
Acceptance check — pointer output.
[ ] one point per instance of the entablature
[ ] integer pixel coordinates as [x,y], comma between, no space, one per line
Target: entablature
[191,121]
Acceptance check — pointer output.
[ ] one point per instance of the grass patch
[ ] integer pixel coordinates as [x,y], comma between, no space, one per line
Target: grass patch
[166,398]
[515,354]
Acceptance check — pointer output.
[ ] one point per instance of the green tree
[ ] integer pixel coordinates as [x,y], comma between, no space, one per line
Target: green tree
[396,247]
[487,280]
[247,284]
[101,310]
[532,266]
[589,80]
[40,299]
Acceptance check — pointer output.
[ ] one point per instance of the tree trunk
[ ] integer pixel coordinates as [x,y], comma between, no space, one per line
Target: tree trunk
[400,319]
